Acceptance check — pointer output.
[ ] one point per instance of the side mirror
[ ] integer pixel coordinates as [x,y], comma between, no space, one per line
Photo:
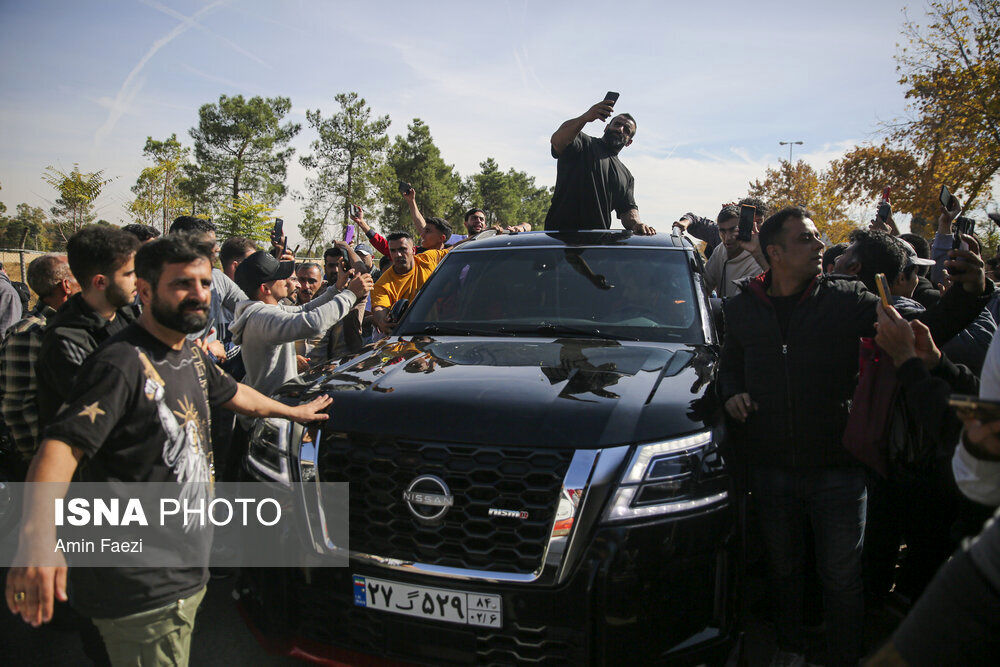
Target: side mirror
[397,309]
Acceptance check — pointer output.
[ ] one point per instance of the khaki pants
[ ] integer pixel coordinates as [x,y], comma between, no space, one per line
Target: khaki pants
[155,637]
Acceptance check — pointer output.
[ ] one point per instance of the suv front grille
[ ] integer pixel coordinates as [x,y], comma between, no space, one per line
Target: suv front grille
[479,477]
[328,615]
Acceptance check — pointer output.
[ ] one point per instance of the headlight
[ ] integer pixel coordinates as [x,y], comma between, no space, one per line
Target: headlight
[268,451]
[670,477]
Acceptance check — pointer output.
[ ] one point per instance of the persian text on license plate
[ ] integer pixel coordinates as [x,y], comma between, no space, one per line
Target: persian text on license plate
[433,603]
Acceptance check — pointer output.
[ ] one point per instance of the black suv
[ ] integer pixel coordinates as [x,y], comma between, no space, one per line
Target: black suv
[535,442]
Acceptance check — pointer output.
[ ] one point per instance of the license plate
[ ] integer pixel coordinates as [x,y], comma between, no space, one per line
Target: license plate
[432,603]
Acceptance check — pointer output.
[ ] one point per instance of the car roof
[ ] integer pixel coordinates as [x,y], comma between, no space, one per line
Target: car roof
[597,237]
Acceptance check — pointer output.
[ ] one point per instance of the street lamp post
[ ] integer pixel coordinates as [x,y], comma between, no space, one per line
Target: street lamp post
[790,144]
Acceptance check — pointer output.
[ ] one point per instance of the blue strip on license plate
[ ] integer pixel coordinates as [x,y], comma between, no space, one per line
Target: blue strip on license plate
[437,604]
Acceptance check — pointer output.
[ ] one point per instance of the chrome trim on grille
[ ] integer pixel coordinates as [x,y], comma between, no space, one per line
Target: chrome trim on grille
[572,495]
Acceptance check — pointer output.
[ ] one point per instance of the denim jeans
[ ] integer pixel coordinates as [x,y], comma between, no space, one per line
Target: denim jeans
[833,501]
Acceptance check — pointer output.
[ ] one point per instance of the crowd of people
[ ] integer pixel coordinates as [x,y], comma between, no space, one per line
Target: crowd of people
[129,325]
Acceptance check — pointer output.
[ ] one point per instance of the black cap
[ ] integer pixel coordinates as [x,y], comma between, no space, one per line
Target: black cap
[259,268]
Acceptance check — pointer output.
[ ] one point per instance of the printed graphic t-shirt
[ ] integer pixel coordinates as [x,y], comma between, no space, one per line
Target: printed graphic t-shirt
[139,410]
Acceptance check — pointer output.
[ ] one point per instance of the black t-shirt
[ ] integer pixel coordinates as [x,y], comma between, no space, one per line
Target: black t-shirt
[590,182]
[139,410]
[783,307]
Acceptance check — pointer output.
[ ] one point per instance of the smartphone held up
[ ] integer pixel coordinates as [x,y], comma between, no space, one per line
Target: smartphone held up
[745,230]
[948,200]
[884,207]
[883,290]
[973,407]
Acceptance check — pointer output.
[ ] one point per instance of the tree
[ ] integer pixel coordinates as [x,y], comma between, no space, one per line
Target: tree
[801,185]
[77,191]
[508,198]
[158,197]
[416,160]
[195,188]
[950,68]
[28,228]
[350,162]
[865,170]
[245,217]
[241,147]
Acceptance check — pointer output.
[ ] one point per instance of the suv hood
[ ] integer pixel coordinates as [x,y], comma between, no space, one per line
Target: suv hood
[540,392]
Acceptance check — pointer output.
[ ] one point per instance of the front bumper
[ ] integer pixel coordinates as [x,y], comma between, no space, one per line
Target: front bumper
[658,591]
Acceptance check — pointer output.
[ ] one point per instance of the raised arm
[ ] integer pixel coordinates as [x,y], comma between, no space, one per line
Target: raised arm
[378,241]
[568,131]
[418,220]
[357,263]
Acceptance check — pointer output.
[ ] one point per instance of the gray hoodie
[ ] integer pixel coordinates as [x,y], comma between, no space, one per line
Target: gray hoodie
[268,334]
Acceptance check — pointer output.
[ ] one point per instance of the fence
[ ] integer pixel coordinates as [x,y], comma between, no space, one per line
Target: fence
[16,260]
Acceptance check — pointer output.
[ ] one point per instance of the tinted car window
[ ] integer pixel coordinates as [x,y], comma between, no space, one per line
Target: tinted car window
[642,293]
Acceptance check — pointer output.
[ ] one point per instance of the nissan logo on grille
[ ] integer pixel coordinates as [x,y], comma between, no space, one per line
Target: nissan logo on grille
[428,498]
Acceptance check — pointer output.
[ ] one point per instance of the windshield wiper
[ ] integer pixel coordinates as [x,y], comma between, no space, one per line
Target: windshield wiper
[464,331]
[565,330]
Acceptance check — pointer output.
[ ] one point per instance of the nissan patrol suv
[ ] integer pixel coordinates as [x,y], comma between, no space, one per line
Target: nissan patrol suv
[536,444]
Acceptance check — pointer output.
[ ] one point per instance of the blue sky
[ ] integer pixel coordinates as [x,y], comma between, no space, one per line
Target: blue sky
[714,85]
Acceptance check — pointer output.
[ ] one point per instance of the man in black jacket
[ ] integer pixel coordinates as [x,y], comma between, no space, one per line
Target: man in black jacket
[102,261]
[590,179]
[788,370]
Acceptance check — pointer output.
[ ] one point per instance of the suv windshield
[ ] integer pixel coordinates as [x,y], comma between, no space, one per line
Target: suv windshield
[626,293]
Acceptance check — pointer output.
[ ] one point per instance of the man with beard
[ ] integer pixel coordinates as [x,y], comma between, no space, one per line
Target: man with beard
[225,293]
[590,179]
[475,222]
[138,414]
[101,259]
[310,276]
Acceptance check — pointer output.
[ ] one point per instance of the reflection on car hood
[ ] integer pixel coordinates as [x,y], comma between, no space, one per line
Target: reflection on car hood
[566,392]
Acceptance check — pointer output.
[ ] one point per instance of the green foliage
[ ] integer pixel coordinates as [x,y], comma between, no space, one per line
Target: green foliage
[508,198]
[194,187]
[77,192]
[158,198]
[350,162]
[801,185]
[27,228]
[990,240]
[950,68]
[242,147]
[245,217]
[416,160]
